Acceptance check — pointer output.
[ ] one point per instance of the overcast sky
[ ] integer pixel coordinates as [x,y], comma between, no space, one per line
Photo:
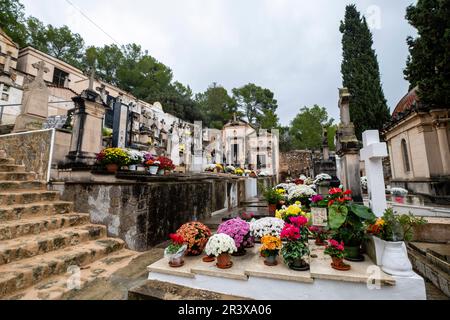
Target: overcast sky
[292,47]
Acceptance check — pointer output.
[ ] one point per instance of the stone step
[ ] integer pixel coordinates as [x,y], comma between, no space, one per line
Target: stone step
[7,161]
[31,246]
[17,212]
[17,176]
[27,196]
[12,168]
[19,228]
[61,287]
[26,273]
[22,185]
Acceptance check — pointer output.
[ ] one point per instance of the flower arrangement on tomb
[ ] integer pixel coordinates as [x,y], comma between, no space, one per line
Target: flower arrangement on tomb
[221,246]
[113,158]
[394,227]
[247,216]
[347,221]
[270,249]
[239,172]
[292,211]
[135,156]
[195,235]
[335,250]
[266,227]
[301,193]
[210,168]
[322,178]
[320,234]
[364,183]
[319,201]
[296,233]
[219,167]
[309,181]
[399,192]
[239,231]
[176,250]
[230,169]
[165,164]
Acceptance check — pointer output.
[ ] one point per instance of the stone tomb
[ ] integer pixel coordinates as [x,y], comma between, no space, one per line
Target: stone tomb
[250,278]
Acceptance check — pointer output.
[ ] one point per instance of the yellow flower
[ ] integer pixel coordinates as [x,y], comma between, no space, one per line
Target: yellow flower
[298,203]
[281,191]
[380,222]
[294,211]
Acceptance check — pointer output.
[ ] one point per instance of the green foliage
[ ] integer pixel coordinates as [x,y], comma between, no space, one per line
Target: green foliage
[306,129]
[293,251]
[361,75]
[258,105]
[337,216]
[363,212]
[12,18]
[331,135]
[216,106]
[399,227]
[272,196]
[428,64]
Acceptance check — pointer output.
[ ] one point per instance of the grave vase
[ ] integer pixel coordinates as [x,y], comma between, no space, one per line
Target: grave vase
[112,168]
[271,261]
[395,260]
[224,261]
[153,170]
[132,167]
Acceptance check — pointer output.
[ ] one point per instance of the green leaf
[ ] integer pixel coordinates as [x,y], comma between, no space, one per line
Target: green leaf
[337,216]
[363,212]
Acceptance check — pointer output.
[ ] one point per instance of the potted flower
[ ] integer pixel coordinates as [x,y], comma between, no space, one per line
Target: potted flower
[323,182]
[319,210]
[347,222]
[113,159]
[295,233]
[136,159]
[210,168]
[266,227]
[270,250]
[399,194]
[151,163]
[238,230]
[320,234]
[230,169]
[336,251]
[272,197]
[218,168]
[239,172]
[253,174]
[175,251]
[388,235]
[221,246]
[195,235]
[301,193]
[166,166]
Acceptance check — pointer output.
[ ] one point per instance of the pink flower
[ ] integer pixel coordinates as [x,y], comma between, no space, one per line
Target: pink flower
[299,221]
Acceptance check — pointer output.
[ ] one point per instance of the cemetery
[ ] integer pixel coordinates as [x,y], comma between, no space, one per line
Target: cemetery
[99,184]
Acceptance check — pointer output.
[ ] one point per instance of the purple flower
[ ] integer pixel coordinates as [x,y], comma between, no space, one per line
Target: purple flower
[237,229]
[316,198]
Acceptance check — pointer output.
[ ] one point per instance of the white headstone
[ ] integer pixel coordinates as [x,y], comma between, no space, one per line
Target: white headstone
[372,154]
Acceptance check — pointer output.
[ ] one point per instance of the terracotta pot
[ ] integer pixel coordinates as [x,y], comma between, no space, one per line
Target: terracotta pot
[272,209]
[338,264]
[224,261]
[112,168]
[208,259]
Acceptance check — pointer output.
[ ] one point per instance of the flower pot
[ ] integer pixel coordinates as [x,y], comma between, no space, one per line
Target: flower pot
[208,259]
[224,261]
[176,262]
[112,168]
[271,261]
[299,265]
[167,172]
[140,169]
[132,167]
[241,252]
[353,253]
[272,209]
[160,172]
[395,260]
[338,264]
[153,170]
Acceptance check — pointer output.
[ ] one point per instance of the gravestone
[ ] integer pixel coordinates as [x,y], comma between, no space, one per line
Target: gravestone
[87,138]
[55,122]
[347,148]
[34,102]
[373,153]
[120,124]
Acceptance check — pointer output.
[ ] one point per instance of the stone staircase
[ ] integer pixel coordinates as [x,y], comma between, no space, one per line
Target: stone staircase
[46,249]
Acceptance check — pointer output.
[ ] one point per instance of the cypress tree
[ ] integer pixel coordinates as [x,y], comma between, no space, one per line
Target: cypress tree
[361,74]
[428,64]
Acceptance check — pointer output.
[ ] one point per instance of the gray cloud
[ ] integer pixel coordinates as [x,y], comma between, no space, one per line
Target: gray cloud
[291,47]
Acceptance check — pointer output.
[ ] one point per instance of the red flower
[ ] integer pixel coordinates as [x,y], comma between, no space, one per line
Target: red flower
[299,221]
[348,192]
[176,238]
[335,191]
[330,203]
[290,232]
[348,199]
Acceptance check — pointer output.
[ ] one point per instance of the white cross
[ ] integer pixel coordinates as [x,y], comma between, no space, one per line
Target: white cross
[373,153]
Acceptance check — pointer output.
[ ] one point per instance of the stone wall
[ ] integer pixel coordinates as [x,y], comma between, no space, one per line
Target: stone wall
[31,149]
[295,163]
[144,213]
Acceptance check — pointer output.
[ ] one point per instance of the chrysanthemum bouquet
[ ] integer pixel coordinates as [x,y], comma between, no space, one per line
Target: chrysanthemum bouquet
[219,244]
[113,156]
[270,246]
[292,211]
[322,178]
[300,192]
[266,226]
[195,235]
[237,229]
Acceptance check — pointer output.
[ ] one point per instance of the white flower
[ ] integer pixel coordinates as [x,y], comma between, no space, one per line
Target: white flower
[301,191]
[230,169]
[322,178]
[399,192]
[266,226]
[303,177]
[135,155]
[210,167]
[309,181]
[220,243]
[364,183]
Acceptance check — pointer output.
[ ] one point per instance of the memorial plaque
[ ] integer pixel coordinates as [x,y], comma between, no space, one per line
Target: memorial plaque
[319,217]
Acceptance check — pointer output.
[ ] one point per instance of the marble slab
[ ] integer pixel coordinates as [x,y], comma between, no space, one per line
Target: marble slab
[236,272]
[162,266]
[360,272]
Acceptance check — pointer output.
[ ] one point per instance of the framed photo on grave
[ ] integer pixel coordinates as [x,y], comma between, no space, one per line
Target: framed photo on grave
[319,216]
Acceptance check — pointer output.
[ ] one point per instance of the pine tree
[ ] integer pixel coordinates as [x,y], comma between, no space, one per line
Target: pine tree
[428,65]
[361,74]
